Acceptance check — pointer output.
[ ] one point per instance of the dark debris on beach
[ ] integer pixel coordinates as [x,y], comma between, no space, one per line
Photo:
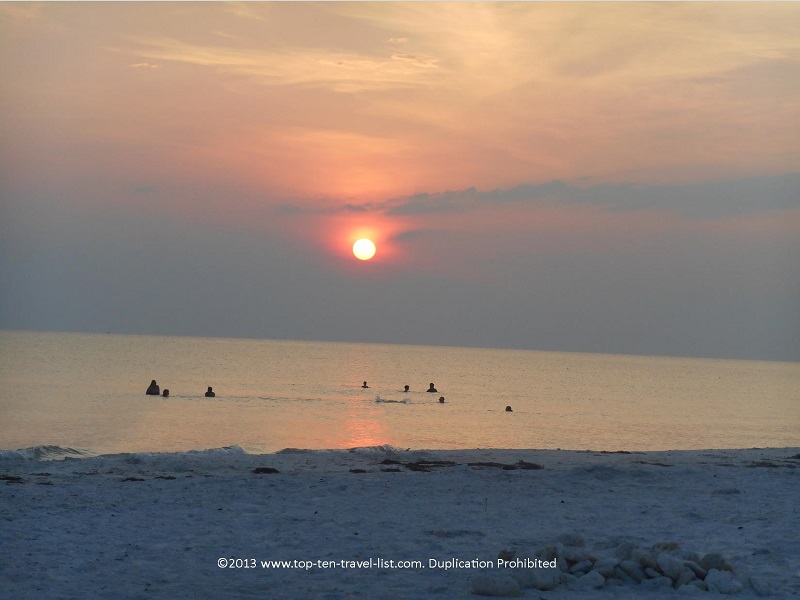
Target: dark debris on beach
[426,466]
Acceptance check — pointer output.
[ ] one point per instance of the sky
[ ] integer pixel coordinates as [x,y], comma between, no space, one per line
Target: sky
[586,177]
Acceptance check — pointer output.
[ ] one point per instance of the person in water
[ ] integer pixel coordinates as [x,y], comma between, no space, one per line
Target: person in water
[508,409]
[441,399]
[166,393]
[210,393]
[365,386]
[405,389]
[433,390]
[153,389]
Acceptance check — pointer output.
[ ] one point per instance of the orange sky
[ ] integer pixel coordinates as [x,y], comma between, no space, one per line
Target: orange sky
[438,127]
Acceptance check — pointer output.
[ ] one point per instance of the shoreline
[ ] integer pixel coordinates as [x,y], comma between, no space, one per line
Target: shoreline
[154,525]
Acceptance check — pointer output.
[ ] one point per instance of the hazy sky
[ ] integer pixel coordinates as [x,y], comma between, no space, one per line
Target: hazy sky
[601,177]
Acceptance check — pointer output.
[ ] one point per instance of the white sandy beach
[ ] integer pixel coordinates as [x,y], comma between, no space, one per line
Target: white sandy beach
[157,525]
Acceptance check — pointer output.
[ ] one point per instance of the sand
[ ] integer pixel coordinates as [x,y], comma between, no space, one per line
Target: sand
[159,525]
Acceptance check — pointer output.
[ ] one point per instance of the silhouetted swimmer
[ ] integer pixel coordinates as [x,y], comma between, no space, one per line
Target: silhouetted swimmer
[166,393]
[441,399]
[210,393]
[508,409]
[153,389]
[406,388]
[365,386]
[432,390]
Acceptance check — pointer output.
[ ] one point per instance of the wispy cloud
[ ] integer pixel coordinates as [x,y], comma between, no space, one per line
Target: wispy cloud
[341,71]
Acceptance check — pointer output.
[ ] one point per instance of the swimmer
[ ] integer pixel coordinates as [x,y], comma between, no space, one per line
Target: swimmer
[441,399]
[406,388]
[433,390]
[508,409]
[153,389]
[166,393]
[210,393]
[365,386]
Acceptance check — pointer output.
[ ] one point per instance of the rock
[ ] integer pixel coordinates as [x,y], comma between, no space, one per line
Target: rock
[623,576]
[761,585]
[489,584]
[657,583]
[581,567]
[605,566]
[727,491]
[672,566]
[539,579]
[625,550]
[571,539]
[568,579]
[551,551]
[652,573]
[685,577]
[633,569]
[714,560]
[690,589]
[700,585]
[699,571]
[593,579]
[506,554]
[612,583]
[644,558]
[576,553]
[722,582]
[692,556]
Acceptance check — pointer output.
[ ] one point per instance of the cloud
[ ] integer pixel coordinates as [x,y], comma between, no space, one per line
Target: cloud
[144,65]
[705,200]
[342,71]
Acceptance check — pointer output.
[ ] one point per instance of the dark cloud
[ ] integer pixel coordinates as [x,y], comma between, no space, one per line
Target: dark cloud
[707,200]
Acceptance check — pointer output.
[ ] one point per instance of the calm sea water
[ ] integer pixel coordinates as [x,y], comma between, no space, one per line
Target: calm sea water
[87,392]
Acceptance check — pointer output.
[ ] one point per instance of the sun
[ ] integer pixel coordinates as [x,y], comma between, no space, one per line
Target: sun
[364,249]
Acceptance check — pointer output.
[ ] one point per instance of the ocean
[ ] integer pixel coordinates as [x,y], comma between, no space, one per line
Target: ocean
[84,394]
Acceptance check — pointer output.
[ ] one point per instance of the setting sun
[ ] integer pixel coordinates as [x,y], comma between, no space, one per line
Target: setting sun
[364,249]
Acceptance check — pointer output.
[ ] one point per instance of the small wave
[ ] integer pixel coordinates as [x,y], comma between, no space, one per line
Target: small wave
[45,452]
[387,401]
[136,456]
[225,450]
[382,449]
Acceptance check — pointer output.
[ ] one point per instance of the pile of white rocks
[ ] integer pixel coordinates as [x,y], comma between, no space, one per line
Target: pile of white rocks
[569,562]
